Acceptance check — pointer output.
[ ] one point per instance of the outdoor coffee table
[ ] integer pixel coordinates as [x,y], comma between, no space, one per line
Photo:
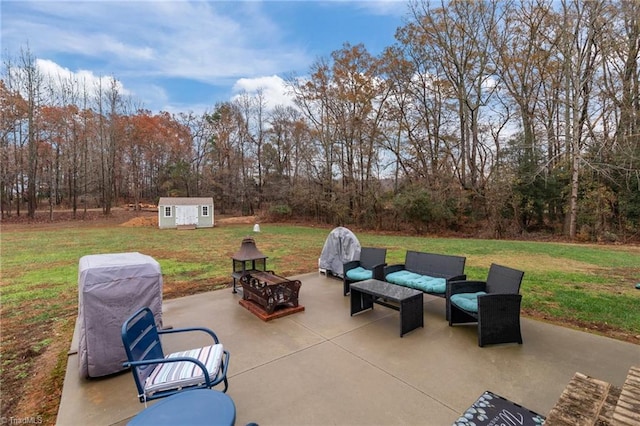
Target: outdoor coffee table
[406,300]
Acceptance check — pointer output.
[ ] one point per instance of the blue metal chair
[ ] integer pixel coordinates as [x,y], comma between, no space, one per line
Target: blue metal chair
[158,375]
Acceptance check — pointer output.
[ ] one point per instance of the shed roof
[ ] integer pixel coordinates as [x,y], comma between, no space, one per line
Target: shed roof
[184,201]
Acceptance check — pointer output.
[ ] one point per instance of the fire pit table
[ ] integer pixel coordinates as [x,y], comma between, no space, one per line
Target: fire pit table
[267,292]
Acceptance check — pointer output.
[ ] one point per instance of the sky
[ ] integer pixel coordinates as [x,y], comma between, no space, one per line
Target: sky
[186,56]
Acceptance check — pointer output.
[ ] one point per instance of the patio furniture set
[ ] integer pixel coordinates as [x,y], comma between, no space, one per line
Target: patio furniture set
[493,304]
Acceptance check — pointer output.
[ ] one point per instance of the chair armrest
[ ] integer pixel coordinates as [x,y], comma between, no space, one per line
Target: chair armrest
[455,287]
[500,299]
[181,330]
[462,277]
[393,268]
[378,271]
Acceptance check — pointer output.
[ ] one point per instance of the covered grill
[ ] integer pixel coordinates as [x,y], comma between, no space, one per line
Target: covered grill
[110,288]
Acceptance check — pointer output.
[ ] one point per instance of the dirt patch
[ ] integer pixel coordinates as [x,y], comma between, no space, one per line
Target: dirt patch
[43,389]
[237,220]
[600,329]
[30,354]
[142,221]
[69,219]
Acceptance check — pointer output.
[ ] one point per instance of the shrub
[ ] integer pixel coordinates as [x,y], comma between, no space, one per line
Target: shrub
[280,211]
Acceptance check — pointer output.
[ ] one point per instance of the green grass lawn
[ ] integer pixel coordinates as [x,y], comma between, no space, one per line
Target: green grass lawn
[586,286]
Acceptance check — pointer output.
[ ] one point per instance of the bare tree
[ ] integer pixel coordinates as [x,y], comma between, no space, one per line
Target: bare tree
[458,34]
[522,52]
[30,84]
[13,111]
[313,97]
[582,24]
[226,156]
[108,101]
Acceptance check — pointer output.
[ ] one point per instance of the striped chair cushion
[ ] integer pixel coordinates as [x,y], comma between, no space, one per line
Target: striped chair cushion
[175,375]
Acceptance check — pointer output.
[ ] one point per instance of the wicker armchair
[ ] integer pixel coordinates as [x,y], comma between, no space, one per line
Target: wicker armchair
[494,304]
[370,265]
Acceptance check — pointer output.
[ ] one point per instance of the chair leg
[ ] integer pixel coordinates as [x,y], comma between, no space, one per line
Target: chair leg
[225,380]
[458,316]
[506,330]
[346,286]
[509,333]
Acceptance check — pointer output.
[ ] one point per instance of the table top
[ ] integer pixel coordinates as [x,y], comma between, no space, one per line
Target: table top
[268,277]
[196,406]
[384,289]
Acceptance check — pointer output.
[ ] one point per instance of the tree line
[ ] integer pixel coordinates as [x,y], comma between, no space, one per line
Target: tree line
[492,117]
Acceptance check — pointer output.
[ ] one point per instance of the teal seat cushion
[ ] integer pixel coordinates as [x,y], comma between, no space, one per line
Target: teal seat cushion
[403,277]
[467,301]
[419,282]
[359,274]
[430,284]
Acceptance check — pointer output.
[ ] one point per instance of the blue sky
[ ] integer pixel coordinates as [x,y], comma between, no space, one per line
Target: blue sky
[182,56]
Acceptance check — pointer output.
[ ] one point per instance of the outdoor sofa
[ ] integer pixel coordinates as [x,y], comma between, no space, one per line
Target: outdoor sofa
[427,272]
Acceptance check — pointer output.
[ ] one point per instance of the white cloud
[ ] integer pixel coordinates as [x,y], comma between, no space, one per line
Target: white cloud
[386,7]
[175,53]
[80,80]
[274,90]
[489,83]
[201,40]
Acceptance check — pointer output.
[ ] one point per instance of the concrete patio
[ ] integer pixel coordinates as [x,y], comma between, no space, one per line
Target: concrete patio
[322,366]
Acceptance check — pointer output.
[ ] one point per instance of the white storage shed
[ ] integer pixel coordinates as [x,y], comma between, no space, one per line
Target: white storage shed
[185,212]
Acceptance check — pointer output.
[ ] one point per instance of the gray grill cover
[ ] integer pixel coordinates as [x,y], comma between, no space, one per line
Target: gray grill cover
[111,287]
[341,246]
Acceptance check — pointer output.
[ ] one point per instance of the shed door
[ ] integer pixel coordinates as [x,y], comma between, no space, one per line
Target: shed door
[186,215]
